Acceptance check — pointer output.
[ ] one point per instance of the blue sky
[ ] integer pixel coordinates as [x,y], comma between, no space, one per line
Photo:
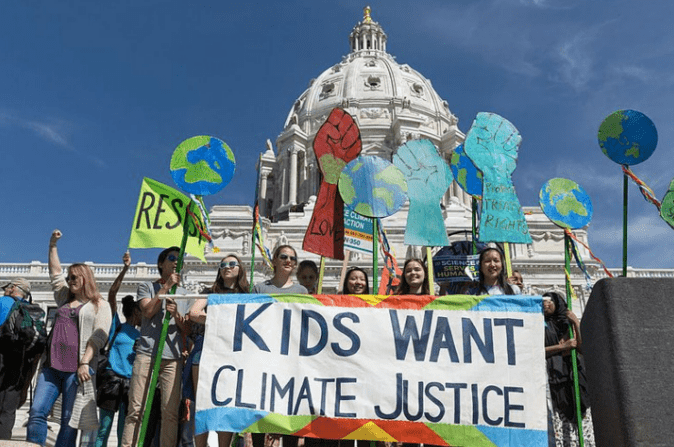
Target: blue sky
[94,96]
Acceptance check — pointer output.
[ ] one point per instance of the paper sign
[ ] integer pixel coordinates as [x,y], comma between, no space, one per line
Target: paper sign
[627,137]
[460,370]
[337,142]
[428,177]
[202,165]
[492,143]
[158,222]
[357,232]
[372,187]
[565,203]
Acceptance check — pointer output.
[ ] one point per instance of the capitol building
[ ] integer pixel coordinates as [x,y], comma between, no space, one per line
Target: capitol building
[392,103]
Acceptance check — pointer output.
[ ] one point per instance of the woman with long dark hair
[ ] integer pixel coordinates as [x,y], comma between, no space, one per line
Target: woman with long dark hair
[413,281]
[558,345]
[231,278]
[80,330]
[355,282]
[492,278]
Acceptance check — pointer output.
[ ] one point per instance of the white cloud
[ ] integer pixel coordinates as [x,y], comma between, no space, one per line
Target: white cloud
[53,132]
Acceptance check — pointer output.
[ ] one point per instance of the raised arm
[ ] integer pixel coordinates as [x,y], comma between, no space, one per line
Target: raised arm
[112,294]
[575,323]
[54,262]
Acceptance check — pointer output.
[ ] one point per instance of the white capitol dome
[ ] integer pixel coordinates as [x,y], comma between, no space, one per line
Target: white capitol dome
[390,102]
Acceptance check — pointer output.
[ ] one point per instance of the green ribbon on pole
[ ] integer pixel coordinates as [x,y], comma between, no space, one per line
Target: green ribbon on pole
[474,219]
[162,338]
[375,262]
[574,359]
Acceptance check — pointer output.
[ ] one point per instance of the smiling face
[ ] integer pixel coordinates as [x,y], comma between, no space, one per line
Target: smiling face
[491,267]
[414,274]
[356,283]
[285,261]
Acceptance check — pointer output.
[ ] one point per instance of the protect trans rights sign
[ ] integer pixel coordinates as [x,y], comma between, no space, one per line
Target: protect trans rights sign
[456,370]
[357,232]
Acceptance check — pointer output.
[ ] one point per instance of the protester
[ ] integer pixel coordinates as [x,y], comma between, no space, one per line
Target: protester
[355,282]
[154,301]
[80,330]
[283,262]
[492,279]
[558,346]
[16,367]
[120,360]
[307,275]
[413,281]
[231,278]
[517,280]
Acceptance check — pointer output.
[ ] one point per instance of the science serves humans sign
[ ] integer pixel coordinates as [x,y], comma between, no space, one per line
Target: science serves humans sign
[459,370]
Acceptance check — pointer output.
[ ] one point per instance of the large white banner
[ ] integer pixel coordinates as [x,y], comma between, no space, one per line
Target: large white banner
[455,370]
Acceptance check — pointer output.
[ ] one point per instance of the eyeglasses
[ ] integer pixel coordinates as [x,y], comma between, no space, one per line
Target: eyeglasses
[285,257]
[172,258]
[71,278]
[230,264]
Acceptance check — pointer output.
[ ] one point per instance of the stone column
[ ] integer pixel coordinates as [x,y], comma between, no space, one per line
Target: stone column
[292,199]
[263,193]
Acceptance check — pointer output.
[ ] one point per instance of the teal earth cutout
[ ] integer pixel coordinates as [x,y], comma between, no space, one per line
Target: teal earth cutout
[372,187]
[202,165]
[465,172]
[565,203]
[627,137]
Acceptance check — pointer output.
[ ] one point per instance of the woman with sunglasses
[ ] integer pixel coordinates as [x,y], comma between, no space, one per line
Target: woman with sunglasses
[284,262]
[231,278]
[79,332]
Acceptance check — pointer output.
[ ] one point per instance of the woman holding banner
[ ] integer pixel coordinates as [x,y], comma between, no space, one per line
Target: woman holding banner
[284,262]
[492,279]
[231,278]
[80,331]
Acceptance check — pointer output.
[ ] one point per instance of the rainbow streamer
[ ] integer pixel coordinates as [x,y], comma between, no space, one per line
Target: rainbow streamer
[390,262]
[573,236]
[205,233]
[258,237]
[645,190]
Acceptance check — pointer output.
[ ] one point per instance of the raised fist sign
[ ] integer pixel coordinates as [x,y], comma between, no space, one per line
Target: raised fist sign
[337,142]
[492,143]
[428,177]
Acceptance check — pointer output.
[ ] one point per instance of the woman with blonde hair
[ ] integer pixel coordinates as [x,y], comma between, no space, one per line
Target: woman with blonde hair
[80,330]
[231,278]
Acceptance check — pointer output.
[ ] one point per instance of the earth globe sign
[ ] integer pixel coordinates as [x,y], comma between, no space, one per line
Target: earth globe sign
[565,203]
[627,137]
[202,165]
[466,174]
[372,186]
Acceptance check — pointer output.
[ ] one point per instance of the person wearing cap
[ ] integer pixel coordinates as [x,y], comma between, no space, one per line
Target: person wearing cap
[10,389]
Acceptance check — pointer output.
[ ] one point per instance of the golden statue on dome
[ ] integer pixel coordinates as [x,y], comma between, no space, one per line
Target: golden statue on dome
[366,15]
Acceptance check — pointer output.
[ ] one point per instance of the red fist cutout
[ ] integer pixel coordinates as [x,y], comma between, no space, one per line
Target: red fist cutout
[337,142]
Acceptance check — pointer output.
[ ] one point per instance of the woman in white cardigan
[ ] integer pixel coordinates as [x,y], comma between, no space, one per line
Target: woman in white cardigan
[80,330]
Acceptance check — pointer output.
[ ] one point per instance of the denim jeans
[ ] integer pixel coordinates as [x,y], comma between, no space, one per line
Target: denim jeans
[50,384]
[106,417]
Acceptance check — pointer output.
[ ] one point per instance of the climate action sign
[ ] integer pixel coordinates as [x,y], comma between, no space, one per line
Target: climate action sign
[357,231]
[460,370]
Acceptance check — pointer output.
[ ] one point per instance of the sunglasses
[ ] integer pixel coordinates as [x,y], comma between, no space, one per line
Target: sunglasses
[230,264]
[71,278]
[172,258]
[285,257]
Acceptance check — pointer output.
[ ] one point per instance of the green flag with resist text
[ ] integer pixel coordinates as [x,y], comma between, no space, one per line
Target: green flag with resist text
[158,222]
